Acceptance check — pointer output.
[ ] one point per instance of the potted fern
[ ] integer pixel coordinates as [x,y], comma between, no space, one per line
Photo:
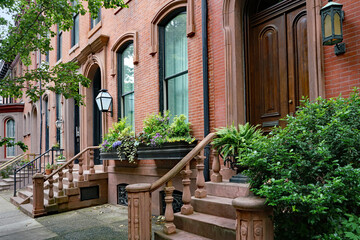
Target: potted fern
[232,143]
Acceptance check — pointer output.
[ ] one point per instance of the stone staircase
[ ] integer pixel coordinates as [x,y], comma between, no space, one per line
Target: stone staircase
[69,198]
[214,216]
[8,183]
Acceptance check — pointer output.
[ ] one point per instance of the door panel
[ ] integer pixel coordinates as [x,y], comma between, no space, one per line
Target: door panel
[278,66]
[268,72]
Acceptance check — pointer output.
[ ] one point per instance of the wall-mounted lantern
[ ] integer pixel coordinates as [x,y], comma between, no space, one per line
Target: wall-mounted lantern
[58,123]
[332,17]
[104,101]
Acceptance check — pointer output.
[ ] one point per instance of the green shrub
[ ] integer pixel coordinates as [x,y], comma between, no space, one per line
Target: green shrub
[309,171]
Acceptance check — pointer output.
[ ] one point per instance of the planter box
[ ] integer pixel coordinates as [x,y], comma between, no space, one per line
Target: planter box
[168,151]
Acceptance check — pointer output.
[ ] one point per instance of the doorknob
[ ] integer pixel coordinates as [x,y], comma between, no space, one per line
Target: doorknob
[290,101]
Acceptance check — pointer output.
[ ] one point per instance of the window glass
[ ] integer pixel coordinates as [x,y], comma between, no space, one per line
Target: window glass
[59,45]
[10,133]
[95,21]
[176,65]
[127,83]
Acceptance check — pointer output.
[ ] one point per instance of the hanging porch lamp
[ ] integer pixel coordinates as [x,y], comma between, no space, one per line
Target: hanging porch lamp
[104,101]
[332,17]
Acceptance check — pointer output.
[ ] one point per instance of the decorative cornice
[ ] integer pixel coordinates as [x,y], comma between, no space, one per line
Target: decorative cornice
[92,48]
[12,107]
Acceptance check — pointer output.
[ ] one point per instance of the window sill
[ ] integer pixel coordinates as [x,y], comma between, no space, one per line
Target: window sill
[59,61]
[94,30]
[76,46]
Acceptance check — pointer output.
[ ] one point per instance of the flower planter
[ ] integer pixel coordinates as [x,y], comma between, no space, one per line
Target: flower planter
[167,151]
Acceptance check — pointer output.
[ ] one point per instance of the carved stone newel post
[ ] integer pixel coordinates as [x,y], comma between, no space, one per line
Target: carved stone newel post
[38,195]
[139,211]
[253,219]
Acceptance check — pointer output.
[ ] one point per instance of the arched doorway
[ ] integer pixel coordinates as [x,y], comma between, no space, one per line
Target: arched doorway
[277,60]
[97,121]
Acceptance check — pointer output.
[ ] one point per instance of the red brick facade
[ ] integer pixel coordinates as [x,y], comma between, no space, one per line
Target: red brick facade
[342,73]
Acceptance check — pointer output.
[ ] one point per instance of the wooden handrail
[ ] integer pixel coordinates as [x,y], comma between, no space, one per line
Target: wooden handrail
[180,165]
[15,159]
[70,161]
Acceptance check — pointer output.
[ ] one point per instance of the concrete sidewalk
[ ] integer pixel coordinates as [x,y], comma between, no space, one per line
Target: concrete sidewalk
[100,222]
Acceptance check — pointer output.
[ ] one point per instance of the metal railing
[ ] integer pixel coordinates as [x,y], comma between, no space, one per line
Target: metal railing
[23,174]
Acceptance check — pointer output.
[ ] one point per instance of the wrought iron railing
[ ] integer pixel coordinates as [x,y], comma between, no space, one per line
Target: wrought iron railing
[23,174]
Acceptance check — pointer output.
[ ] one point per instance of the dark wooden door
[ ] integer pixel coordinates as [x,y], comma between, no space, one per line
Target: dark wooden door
[97,125]
[277,63]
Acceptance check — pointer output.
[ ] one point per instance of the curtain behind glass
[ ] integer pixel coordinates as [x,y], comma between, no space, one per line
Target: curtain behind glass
[127,78]
[10,133]
[176,61]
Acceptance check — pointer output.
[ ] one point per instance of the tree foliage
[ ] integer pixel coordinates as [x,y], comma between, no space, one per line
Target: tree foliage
[32,29]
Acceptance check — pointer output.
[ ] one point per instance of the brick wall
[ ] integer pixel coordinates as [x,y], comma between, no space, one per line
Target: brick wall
[342,73]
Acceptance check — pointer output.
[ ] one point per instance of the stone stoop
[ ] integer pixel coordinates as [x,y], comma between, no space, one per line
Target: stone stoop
[214,216]
[71,199]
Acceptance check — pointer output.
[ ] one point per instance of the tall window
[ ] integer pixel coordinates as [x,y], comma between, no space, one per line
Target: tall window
[59,45]
[10,133]
[75,28]
[126,83]
[174,65]
[95,21]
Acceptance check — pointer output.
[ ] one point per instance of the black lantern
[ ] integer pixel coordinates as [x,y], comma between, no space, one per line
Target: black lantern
[104,101]
[332,17]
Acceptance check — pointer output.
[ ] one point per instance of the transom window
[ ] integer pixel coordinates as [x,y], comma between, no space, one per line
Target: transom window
[126,83]
[10,133]
[174,65]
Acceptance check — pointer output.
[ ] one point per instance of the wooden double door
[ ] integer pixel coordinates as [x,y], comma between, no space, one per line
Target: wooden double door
[277,63]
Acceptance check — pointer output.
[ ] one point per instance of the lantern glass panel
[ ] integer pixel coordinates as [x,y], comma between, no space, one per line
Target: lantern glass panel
[327,26]
[106,103]
[98,102]
[337,24]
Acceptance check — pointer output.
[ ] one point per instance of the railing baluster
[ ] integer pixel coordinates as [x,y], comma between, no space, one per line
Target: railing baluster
[169,226]
[60,186]
[71,177]
[200,192]
[91,152]
[81,171]
[51,191]
[186,208]
[216,176]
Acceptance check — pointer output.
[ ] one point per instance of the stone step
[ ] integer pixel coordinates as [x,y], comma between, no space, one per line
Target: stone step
[17,201]
[227,189]
[24,193]
[205,225]
[27,209]
[213,205]
[179,235]
[9,180]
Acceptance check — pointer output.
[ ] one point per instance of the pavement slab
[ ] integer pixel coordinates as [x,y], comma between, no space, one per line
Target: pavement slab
[100,222]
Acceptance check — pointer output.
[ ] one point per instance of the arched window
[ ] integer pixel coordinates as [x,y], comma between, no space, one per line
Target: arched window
[126,83]
[173,59]
[10,133]
[24,126]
